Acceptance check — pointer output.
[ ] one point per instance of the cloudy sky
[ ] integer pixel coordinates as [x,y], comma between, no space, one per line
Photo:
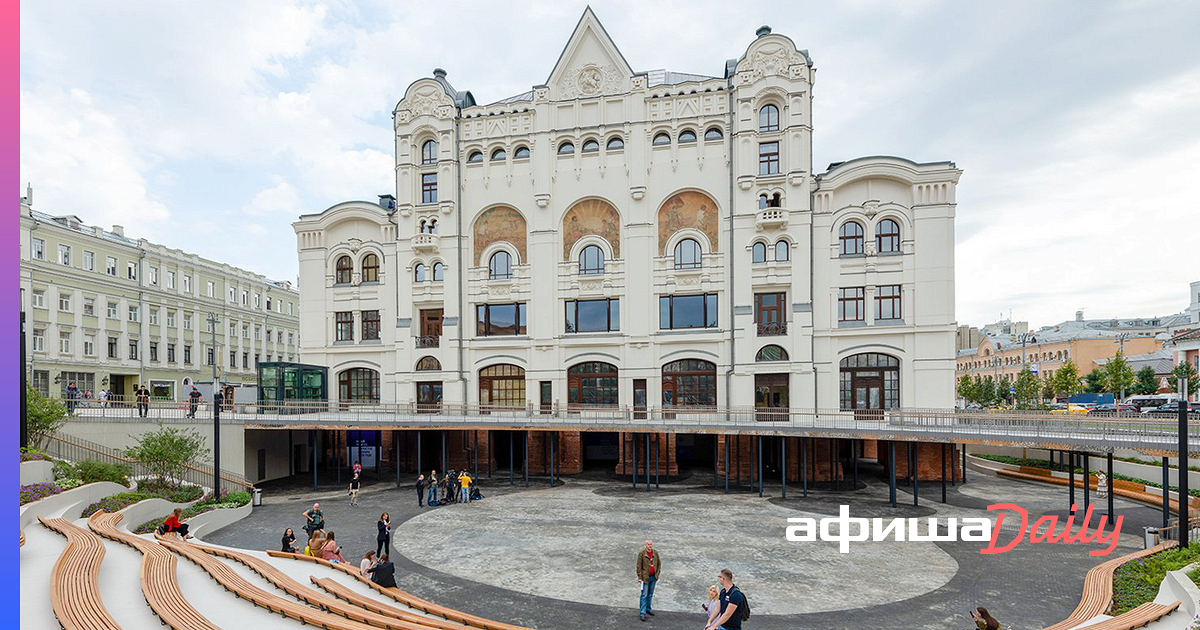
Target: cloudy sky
[211,126]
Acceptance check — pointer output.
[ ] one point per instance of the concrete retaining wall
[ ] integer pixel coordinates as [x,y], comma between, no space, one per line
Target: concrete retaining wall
[36,472]
[70,502]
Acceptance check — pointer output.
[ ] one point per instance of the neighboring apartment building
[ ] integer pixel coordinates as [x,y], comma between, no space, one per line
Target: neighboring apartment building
[1185,338]
[635,239]
[109,312]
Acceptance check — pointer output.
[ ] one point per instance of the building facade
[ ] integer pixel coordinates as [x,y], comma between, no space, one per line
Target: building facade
[634,239]
[109,312]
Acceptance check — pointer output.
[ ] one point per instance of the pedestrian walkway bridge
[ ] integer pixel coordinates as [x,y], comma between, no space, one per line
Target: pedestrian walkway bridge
[1030,429]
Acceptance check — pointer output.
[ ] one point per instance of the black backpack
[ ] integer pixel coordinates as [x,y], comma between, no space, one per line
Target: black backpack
[744,610]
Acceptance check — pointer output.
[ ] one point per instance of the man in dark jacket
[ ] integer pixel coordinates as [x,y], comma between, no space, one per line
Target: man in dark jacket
[649,568]
[193,402]
[383,573]
[421,491]
[143,400]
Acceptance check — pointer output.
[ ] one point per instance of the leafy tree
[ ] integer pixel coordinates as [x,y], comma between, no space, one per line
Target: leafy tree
[1049,388]
[1095,382]
[1118,376]
[1147,381]
[1028,388]
[966,389]
[45,416]
[985,390]
[167,451]
[1003,388]
[1187,370]
[1066,380]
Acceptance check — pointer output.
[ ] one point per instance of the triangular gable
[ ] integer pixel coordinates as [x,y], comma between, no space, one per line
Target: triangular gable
[590,64]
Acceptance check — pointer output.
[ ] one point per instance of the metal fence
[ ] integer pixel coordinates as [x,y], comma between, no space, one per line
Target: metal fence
[75,449]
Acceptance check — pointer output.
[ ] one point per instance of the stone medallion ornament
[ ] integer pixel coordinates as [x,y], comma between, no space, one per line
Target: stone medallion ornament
[591,80]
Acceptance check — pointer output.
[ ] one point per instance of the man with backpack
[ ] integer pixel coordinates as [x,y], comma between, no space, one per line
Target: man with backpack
[734,607]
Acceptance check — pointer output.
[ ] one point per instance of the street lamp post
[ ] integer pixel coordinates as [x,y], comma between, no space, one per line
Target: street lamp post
[212,327]
[1184,525]
[24,390]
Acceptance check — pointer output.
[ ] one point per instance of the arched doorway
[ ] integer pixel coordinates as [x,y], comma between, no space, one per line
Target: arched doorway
[869,381]
[358,385]
[592,384]
[502,387]
[689,383]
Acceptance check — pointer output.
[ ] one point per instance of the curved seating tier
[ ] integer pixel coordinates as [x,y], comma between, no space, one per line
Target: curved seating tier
[1098,588]
[1120,487]
[75,580]
[160,580]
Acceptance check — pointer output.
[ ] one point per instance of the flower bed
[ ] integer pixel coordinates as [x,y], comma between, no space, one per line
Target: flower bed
[235,500]
[33,455]
[36,491]
[120,501]
[1042,463]
[1136,582]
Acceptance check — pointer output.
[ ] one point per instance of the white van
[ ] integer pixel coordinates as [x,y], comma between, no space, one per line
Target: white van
[1147,402]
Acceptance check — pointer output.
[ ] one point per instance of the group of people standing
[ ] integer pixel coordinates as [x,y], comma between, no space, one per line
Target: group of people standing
[452,488]
[322,543]
[726,606]
[75,398]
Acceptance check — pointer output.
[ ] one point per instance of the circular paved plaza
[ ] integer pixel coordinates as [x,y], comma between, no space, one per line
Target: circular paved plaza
[564,557]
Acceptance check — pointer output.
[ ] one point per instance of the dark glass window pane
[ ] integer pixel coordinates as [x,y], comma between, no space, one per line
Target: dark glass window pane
[502,319]
[570,308]
[688,311]
[481,319]
[593,315]
[664,312]
[711,307]
[614,315]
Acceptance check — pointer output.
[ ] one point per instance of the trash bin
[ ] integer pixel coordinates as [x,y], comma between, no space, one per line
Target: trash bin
[258,497]
[1151,536]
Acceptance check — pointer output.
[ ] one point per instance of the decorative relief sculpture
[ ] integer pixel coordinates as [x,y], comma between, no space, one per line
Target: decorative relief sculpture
[590,80]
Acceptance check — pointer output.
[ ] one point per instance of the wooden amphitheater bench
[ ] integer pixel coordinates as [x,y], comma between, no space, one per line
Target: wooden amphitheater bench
[22,538]
[408,599]
[313,597]
[236,584]
[347,594]
[1098,587]
[75,580]
[160,581]
[1137,617]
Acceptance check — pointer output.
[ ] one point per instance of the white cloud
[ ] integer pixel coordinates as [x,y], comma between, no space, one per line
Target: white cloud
[278,199]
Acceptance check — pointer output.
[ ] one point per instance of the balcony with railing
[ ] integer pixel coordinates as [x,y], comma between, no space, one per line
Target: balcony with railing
[771,219]
[425,243]
[429,341]
[772,329]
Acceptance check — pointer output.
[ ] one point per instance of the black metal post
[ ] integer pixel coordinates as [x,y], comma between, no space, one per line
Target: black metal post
[419,471]
[716,462]
[444,451]
[337,453]
[833,464]
[656,449]
[804,466]
[1109,489]
[510,459]
[646,456]
[964,464]
[1087,482]
[727,464]
[854,459]
[760,467]
[24,390]
[552,445]
[943,472]
[1166,485]
[1184,524]
[525,462]
[312,444]
[1071,480]
[737,454]
[216,441]
[291,449]
[783,467]
[912,457]
[892,472]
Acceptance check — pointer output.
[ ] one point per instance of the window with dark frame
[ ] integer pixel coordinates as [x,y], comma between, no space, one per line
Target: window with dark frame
[419,272]
[499,155]
[615,143]
[429,152]
[591,260]
[343,326]
[370,325]
[593,315]
[768,118]
[887,302]
[687,135]
[759,252]
[439,272]
[344,271]
[850,239]
[768,158]
[713,133]
[500,266]
[370,271]
[769,314]
[590,146]
[475,158]
[358,385]
[852,304]
[429,188]
[676,312]
[688,254]
[566,148]
[661,140]
[522,153]
[493,320]
[887,236]
[782,251]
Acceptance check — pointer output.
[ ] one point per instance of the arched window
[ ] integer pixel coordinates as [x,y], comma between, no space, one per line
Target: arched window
[759,252]
[521,153]
[687,135]
[851,237]
[419,272]
[763,201]
[782,249]
[689,383]
[358,385]
[370,268]
[615,143]
[500,266]
[870,381]
[591,260]
[429,364]
[431,227]
[475,157]
[502,386]
[771,353]
[566,148]
[768,118]
[592,384]
[661,140]
[439,272]
[687,254]
[887,236]
[429,152]
[498,155]
[713,133]
[590,146]
[345,270]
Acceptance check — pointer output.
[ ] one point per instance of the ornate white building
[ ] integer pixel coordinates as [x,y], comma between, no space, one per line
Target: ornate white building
[640,239]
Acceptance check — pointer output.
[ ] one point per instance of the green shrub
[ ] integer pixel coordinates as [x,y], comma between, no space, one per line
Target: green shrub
[65,470]
[1136,582]
[67,484]
[174,493]
[93,471]
[238,499]
[234,500]
[125,499]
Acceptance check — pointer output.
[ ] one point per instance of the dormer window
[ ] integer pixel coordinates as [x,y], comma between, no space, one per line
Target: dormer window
[591,146]
[687,135]
[566,148]
[661,140]
[522,153]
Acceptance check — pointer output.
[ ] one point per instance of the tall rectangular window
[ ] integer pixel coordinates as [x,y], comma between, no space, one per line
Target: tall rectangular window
[64,255]
[39,340]
[593,315]
[112,347]
[887,302]
[852,304]
[152,275]
[64,302]
[232,359]
[499,319]
[37,299]
[37,248]
[153,317]
[110,266]
[187,355]
[112,310]
[153,350]
[131,270]
[133,350]
[370,326]
[89,345]
[170,353]
[187,321]
[245,360]
[429,188]
[212,290]
[170,319]
[170,279]
[343,326]
[64,342]
[187,284]
[768,158]
[687,311]
[769,314]
[133,313]
[89,306]
[89,261]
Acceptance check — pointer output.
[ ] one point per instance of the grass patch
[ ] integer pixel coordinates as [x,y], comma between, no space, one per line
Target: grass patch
[235,500]
[1043,463]
[1136,582]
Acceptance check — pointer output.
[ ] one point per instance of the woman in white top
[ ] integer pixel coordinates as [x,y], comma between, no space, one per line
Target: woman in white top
[712,606]
[368,561]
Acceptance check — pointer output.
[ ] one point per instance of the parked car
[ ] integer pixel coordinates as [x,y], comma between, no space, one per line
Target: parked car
[1071,409]
[1144,402]
[1170,409]
[1112,409]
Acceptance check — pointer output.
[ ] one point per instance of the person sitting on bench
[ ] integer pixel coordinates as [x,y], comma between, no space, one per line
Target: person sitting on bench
[174,523]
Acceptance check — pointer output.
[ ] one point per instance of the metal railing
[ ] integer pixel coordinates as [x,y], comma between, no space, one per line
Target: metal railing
[772,329]
[429,341]
[71,448]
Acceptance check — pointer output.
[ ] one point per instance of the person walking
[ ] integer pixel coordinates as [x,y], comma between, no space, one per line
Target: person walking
[649,569]
[983,620]
[102,398]
[712,606]
[384,537]
[433,486]
[193,401]
[355,484]
[143,400]
[420,491]
[384,572]
[733,604]
[315,519]
[72,396]
[465,482]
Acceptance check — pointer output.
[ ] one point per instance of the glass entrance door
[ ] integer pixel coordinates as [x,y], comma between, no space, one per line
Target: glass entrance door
[770,397]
